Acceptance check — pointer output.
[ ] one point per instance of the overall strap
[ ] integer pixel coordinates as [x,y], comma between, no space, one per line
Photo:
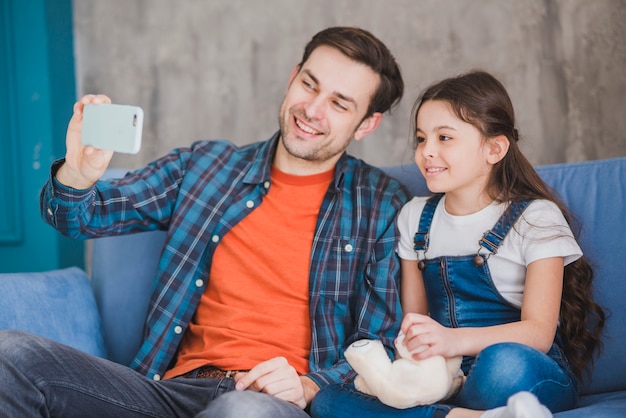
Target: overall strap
[422,235]
[492,239]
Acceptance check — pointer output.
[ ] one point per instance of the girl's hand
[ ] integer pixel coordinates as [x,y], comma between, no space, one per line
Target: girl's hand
[425,337]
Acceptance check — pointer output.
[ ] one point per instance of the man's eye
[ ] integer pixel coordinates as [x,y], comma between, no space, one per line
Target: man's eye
[307,85]
[340,106]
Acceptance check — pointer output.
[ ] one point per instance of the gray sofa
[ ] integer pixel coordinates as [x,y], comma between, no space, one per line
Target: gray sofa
[103,312]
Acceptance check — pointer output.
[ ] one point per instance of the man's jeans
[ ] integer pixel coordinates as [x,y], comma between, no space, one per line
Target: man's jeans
[39,377]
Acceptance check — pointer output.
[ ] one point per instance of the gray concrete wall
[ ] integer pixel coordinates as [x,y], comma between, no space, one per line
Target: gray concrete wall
[206,69]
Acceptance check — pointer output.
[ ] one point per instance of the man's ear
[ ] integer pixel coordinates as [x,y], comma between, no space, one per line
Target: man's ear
[368,125]
[294,73]
[497,147]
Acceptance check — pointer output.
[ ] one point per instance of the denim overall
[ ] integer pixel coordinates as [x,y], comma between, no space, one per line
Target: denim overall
[461,292]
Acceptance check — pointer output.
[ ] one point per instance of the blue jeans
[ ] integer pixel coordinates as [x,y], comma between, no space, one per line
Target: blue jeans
[498,372]
[39,377]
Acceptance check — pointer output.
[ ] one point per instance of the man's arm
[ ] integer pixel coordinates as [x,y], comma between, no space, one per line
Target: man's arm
[373,299]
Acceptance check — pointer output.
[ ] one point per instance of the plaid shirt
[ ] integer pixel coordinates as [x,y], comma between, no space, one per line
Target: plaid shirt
[199,193]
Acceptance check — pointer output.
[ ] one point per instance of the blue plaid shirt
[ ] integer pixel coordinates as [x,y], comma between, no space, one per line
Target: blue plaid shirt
[199,193]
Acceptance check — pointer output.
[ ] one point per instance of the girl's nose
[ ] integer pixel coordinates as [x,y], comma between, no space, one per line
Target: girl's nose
[428,149]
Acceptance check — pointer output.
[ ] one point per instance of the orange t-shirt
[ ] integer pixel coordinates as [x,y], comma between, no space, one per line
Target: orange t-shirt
[256,304]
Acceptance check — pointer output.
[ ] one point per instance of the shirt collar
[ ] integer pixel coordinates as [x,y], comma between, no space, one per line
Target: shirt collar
[259,171]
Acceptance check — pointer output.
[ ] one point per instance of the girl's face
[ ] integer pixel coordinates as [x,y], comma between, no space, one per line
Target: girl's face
[451,154]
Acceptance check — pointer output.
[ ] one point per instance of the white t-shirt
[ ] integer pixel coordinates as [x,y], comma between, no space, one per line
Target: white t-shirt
[540,232]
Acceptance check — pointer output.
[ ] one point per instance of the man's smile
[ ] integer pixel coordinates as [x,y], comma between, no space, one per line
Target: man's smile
[306,128]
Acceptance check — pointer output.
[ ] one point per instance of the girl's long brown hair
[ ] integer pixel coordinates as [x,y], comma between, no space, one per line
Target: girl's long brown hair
[479,99]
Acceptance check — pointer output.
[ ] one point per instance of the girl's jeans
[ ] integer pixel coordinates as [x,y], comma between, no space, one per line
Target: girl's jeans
[41,378]
[499,371]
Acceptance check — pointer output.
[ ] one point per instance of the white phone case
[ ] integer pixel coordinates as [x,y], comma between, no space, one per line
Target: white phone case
[113,127]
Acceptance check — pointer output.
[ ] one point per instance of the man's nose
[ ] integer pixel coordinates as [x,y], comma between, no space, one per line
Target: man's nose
[314,109]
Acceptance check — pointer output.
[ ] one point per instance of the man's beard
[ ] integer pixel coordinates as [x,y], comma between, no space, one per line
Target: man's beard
[308,150]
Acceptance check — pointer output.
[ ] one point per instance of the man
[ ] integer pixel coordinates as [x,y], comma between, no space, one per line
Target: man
[278,255]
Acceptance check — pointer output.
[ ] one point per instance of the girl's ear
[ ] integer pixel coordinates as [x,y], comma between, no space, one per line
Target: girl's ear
[497,148]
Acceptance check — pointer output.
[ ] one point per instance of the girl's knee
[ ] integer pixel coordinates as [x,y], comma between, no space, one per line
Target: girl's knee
[505,368]
[502,370]
[509,359]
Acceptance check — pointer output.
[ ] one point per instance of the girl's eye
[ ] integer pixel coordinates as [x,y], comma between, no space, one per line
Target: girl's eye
[417,140]
[444,138]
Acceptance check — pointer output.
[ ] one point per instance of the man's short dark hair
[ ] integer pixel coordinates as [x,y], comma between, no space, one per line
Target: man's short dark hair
[363,47]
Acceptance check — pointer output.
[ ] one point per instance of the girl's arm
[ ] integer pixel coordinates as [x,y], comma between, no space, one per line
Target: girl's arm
[539,317]
[541,303]
[412,292]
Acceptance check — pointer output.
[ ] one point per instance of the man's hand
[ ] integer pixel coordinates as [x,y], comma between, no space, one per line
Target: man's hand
[83,165]
[278,378]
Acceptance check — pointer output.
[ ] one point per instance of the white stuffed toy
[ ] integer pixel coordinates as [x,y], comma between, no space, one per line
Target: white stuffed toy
[405,382]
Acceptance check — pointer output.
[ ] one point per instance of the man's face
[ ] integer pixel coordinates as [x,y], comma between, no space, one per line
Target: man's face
[323,109]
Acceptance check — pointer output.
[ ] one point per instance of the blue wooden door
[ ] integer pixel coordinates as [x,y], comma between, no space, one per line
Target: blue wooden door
[36,96]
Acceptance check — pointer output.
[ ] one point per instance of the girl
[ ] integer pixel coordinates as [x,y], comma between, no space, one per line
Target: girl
[490,267]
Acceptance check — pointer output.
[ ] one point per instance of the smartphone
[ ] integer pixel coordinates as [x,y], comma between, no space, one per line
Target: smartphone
[113,127]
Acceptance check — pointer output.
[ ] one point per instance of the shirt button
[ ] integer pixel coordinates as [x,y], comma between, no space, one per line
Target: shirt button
[49,212]
[250,204]
[215,238]
[156,377]
[178,329]
[199,283]
[266,184]
[348,248]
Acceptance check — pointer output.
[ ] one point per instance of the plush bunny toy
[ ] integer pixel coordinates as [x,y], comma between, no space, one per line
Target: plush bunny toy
[405,382]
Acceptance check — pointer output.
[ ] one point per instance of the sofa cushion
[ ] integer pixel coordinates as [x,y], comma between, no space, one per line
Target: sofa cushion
[57,304]
[612,404]
[123,272]
[595,193]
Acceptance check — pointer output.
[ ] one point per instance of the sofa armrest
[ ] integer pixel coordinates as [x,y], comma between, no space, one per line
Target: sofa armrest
[57,304]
